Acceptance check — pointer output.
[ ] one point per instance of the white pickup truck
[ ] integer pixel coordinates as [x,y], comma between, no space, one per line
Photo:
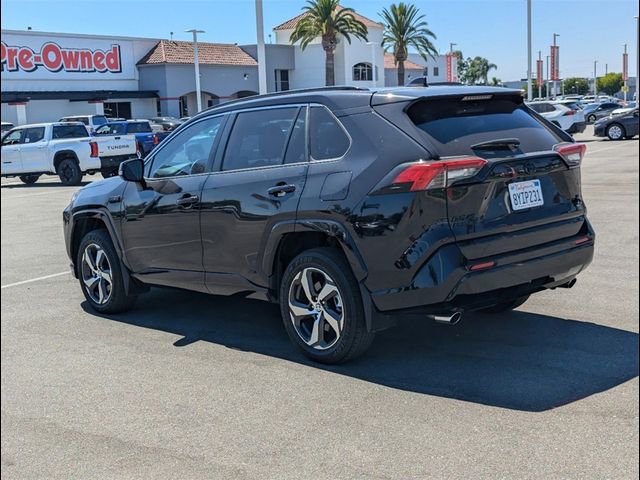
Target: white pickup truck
[65,149]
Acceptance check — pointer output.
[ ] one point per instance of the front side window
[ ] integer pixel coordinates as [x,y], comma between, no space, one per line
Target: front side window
[327,138]
[12,137]
[69,131]
[259,138]
[188,152]
[362,72]
[34,134]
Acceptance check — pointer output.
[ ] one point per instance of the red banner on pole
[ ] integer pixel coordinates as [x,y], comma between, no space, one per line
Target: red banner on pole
[539,72]
[625,66]
[555,63]
[449,58]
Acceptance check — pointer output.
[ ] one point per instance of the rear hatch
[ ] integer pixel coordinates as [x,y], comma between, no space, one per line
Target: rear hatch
[115,145]
[512,180]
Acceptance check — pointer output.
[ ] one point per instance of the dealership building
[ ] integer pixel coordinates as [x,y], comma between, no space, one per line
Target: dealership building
[46,76]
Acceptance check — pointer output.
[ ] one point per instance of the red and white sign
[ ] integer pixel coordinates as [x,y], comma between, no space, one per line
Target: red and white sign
[539,72]
[555,63]
[449,59]
[55,58]
[625,66]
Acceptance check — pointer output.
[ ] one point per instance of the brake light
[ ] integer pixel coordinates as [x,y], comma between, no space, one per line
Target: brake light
[94,149]
[429,175]
[573,153]
[569,112]
[155,139]
[482,266]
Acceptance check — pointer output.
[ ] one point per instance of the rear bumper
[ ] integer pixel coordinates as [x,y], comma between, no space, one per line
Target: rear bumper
[445,282]
[112,163]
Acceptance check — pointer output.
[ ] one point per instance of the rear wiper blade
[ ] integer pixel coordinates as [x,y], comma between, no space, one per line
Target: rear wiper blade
[497,144]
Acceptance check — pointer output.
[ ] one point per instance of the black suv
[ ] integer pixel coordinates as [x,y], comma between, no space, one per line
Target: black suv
[349,207]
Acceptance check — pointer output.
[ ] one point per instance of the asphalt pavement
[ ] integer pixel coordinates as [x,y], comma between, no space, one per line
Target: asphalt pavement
[193,386]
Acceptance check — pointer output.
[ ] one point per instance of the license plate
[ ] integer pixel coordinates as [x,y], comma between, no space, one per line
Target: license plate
[525,195]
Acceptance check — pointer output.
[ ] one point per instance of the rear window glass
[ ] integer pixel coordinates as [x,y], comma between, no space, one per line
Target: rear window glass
[453,126]
[139,127]
[327,138]
[69,131]
[99,119]
[84,120]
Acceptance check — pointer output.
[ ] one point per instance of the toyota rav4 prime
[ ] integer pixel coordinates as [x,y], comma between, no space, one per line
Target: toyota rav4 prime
[349,207]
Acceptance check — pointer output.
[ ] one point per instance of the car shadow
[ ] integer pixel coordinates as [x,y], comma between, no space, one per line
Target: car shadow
[520,360]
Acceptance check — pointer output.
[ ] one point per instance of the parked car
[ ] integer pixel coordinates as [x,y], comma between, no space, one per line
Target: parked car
[602,110]
[347,206]
[628,108]
[65,149]
[90,121]
[617,127]
[564,114]
[146,140]
[184,119]
[167,123]
[5,127]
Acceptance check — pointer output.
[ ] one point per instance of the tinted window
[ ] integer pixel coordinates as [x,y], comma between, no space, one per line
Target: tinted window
[297,148]
[99,119]
[139,127]
[84,120]
[537,107]
[327,138]
[111,129]
[68,131]
[12,137]
[32,135]
[454,126]
[187,153]
[259,138]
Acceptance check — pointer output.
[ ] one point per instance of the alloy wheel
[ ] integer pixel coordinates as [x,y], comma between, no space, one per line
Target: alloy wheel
[316,308]
[96,274]
[615,132]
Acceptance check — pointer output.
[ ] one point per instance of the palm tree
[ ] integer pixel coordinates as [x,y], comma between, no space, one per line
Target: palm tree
[404,27]
[495,81]
[484,67]
[327,19]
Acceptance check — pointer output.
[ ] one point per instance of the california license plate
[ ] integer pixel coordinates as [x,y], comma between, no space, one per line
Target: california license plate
[525,195]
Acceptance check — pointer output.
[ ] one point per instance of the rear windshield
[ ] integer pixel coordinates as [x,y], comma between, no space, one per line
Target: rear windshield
[139,127]
[453,126]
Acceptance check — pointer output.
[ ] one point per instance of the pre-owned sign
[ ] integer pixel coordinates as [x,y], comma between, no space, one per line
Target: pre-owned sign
[55,58]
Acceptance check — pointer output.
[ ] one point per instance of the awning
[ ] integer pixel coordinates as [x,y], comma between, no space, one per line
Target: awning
[77,96]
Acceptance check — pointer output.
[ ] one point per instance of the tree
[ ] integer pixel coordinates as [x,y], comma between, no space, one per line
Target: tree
[330,21]
[610,84]
[576,86]
[534,85]
[483,67]
[404,27]
[495,82]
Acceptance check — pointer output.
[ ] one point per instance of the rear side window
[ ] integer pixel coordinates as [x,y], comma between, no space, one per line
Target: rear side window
[453,126]
[327,138]
[259,138]
[139,127]
[68,131]
[34,134]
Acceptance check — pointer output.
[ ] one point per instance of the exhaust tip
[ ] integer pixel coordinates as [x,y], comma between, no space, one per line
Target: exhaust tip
[448,318]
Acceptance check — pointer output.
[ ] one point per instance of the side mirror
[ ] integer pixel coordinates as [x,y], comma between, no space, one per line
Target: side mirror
[132,170]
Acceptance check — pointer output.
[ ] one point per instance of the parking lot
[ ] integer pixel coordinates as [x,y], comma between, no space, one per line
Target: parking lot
[194,386]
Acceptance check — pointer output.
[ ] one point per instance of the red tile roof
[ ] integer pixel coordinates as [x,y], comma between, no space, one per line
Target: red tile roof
[389,62]
[291,23]
[181,52]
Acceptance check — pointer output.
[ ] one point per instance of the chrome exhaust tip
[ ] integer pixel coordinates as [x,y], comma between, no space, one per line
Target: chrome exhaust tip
[448,318]
[569,284]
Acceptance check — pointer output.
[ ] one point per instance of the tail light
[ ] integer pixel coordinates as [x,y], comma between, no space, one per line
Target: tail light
[573,153]
[569,112]
[430,175]
[155,139]
[94,149]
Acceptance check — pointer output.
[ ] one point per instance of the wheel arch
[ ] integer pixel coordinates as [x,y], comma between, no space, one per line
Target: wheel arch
[61,155]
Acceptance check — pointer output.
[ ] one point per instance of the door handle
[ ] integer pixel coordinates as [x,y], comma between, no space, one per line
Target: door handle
[281,190]
[188,201]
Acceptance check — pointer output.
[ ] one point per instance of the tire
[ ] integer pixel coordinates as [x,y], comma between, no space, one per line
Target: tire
[29,179]
[591,118]
[69,172]
[615,131]
[344,337]
[506,306]
[100,274]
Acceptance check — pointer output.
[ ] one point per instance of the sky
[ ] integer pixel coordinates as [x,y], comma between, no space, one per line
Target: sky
[496,29]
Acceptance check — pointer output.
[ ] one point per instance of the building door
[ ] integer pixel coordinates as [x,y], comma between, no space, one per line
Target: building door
[117,109]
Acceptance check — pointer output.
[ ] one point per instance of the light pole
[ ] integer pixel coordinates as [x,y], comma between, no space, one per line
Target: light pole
[451,45]
[625,74]
[529,85]
[262,62]
[595,78]
[196,62]
[637,55]
[373,62]
[548,85]
[539,82]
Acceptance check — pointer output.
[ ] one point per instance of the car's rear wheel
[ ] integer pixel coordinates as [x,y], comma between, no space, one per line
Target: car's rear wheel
[69,172]
[506,306]
[322,308]
[615,131]
[100,274]
[591,118]
[29,179]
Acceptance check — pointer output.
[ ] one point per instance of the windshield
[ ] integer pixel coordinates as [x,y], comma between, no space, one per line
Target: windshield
[139,127]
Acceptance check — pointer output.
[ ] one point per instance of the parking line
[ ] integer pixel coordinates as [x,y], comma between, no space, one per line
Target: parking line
[34,279]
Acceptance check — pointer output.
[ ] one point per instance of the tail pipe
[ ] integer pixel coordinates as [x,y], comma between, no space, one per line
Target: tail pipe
[569,284]
[450,318]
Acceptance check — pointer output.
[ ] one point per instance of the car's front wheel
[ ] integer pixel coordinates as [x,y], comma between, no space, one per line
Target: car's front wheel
[615,131]
[322,308]
[100,274]
[591,118]
[29,179]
